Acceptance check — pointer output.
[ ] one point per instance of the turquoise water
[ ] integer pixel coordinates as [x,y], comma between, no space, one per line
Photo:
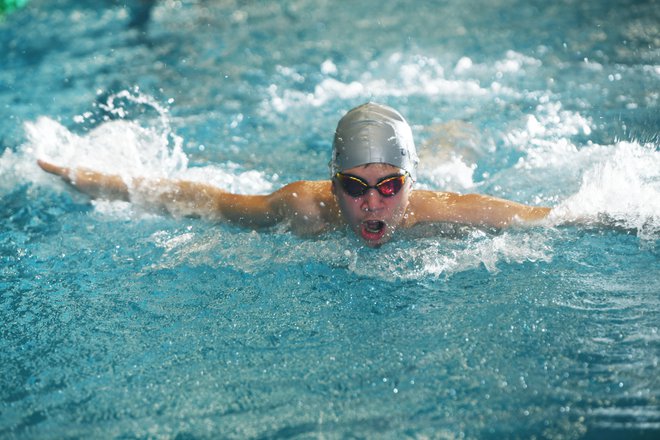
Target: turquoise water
[122,323]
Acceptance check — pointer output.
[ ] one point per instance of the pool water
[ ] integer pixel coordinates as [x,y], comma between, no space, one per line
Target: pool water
[118,322]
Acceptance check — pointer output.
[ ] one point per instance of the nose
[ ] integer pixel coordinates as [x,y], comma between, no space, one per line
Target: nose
[371,201]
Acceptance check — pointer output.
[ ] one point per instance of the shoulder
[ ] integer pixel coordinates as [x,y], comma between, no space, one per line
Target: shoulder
[303,192]
[432,206]
[308,187]
[308,205]
[422,196]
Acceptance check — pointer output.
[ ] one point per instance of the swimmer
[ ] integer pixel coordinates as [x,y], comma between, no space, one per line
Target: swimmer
[370,190]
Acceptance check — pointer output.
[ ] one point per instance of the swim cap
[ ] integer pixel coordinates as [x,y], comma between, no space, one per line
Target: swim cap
[373,133]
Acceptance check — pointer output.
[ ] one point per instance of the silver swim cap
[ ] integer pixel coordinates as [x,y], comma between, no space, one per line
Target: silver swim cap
[373,133]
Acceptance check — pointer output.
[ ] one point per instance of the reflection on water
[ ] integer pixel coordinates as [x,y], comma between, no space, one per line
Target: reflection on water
[121,322]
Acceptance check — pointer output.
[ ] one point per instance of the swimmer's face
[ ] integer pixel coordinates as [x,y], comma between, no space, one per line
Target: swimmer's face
[373,217]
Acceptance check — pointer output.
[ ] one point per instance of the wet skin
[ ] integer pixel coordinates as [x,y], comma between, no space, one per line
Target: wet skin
[311,207]
[373,217]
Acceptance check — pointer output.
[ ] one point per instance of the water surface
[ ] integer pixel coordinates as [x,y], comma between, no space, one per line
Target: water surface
[122,323]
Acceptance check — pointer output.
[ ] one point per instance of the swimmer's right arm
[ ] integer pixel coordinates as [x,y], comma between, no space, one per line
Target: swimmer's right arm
[93,183]
[181,198]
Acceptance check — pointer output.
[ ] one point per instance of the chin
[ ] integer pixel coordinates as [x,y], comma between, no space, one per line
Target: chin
[374,244]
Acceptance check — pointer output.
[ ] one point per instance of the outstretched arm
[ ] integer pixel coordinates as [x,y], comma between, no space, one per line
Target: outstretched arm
[473,209]
[97,185]
[307,206]
[176,197]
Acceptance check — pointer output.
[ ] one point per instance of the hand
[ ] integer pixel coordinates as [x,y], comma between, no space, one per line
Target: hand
[90,182]
[63,172]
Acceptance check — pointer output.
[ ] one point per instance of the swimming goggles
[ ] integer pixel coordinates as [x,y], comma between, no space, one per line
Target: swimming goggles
[355,186]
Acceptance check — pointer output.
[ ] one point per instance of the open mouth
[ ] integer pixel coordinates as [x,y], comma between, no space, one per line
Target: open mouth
[373,230]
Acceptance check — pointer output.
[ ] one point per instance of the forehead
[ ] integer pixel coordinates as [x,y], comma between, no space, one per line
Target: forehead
[373,170]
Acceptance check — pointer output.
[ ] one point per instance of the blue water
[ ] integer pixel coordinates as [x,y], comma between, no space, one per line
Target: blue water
[122,323]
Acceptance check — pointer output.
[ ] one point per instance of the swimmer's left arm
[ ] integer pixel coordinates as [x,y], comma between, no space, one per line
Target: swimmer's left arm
[474,209]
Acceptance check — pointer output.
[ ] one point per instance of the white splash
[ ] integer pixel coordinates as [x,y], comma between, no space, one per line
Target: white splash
[427,259]
[231,177]
[622,189]
[551,159]
[547,130]
[127,148]
[117,147]
[434,258]
[453,174]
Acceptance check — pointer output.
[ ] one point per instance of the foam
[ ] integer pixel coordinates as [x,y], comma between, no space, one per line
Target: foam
[422,76]
[401,259]
[548,124]
[515,62]
[434,258]
[116,147]
[231,177]
[621,189]
[452,174]
[120,146]
[404,76]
